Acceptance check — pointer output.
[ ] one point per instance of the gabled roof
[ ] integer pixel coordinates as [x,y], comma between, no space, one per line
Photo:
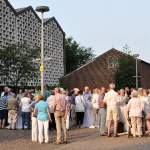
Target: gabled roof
[20,9]
[47,20]
[92,61]
[24,9]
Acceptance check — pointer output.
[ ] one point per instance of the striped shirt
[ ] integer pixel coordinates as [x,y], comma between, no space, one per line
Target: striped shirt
[3,103]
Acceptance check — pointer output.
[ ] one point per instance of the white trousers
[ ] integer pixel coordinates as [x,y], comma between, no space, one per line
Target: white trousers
[68,121]
[34,129]
[43,127]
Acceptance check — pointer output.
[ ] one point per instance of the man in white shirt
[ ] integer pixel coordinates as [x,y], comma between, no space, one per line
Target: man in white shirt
[111,100]
[25,110]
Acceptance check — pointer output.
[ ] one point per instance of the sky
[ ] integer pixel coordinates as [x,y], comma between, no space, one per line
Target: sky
[102,24]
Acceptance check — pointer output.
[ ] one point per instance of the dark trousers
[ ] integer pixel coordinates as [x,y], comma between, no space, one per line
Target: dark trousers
[6,118]
[52,124]
[25,119]
[80,117]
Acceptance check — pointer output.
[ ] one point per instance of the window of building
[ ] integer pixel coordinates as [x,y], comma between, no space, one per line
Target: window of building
[113,62]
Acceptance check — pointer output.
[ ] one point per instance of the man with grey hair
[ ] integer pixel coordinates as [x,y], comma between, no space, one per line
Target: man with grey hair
[111,100]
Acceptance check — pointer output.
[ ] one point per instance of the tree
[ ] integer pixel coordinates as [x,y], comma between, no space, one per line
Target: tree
[125,72]
[16,63]
[76,55]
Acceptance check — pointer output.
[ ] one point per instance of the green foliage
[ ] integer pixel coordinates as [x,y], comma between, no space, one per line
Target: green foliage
[76,55]
[17,65]
[125,72]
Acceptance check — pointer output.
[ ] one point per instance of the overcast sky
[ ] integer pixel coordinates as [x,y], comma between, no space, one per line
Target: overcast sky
[102,24]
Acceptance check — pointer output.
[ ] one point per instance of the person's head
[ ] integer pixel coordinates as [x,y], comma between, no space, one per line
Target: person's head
[145,92]
[86,89]
[76,91]
[26,94]
[122,92]
[52,92]
[64,92]
[20,91]
[134,94]
[96,91]
[38,98]
[9,90]
[57,91]
[80,92]
[103,90]
[6,89]
[112,86]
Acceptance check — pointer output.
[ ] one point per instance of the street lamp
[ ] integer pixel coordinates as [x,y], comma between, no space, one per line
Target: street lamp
[42,10]
[136,56]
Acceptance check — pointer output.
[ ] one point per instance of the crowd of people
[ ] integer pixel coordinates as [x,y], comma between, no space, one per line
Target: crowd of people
[107,110]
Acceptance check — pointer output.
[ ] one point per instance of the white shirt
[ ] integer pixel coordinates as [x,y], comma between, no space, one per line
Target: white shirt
[135,107]
[111,98]
[50,102]
[25,104]
[79,102]
[95,100]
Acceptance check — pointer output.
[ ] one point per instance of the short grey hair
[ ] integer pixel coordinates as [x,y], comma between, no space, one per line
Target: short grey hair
[135,93]
[112,86]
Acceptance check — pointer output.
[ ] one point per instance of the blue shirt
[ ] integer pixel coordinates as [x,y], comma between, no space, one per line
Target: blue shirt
[42,108]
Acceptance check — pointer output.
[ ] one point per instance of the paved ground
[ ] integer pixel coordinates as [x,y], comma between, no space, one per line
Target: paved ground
[83,139]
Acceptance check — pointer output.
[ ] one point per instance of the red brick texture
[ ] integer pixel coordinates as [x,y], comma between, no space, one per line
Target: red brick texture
[97,74]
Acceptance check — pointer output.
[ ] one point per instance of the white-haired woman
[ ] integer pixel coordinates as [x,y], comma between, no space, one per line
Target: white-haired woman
[34,125]
[123,98]
[135,108]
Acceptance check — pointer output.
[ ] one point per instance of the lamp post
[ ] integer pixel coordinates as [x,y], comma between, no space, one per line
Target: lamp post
[42,10]
[136,76]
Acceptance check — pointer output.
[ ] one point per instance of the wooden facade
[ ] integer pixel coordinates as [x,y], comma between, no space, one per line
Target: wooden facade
[101,71]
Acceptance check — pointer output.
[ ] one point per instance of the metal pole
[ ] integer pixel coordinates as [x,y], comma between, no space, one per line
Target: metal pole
[42,56]
[137,73]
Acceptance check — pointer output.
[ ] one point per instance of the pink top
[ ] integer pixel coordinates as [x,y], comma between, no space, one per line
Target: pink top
[135,107]
[60,103]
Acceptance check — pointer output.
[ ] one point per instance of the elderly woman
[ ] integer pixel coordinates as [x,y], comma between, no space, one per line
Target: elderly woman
[34,119]
[95,103]
[88,115]
[43,116]
[135,108]
[123,99]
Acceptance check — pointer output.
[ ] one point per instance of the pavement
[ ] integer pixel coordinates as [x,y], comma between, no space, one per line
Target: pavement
[79,139]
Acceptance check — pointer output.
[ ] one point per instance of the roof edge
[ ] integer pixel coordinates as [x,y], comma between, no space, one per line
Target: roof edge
[123,53]
[54,19]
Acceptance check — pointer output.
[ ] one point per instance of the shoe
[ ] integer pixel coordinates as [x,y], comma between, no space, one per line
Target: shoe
[46,142]
[92,127]
[108,135]
[140,136]
[65,142]
[115,135]
[102,134]
[58,143]
[34,141]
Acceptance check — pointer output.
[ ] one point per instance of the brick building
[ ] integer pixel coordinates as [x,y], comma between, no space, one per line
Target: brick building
[101,71]
[24,25]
